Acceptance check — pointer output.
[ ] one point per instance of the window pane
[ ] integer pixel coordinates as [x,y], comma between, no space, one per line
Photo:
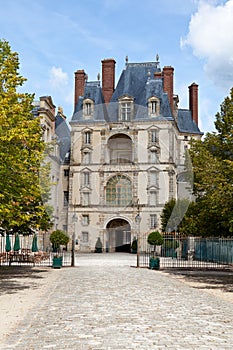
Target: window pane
[153,157]
[87,137]
[66,199]
[86,179]
[85,237]
[153,198]
[86,198]
[153,178]
[119,191]
[125,111]
[153,221]
[85,220]
[153,136]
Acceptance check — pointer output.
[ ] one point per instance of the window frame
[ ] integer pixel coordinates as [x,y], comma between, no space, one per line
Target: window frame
[119,191]
[125,108]
[153,221]
[152,102]
[88,108]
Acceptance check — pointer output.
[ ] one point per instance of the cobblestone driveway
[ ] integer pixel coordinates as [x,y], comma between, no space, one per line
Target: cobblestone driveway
[106,304]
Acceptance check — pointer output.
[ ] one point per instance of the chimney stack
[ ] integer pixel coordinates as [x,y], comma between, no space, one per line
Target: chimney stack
[193,101]
[80,77]
[157,75]
[168,84]
[108,78]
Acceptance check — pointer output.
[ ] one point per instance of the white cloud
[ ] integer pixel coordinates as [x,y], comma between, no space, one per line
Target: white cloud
[211,38]
[58,78]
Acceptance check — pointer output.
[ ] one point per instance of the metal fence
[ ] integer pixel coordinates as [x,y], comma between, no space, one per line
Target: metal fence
[25,257]
[190,252]
[33,259]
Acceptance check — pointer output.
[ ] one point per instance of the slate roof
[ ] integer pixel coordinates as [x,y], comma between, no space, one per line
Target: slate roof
[92,91]
[63,133]
[136,81]
[185,122]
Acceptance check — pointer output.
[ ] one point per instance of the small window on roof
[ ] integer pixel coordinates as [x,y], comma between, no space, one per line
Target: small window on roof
[126,108]
[88,107]
[153,106]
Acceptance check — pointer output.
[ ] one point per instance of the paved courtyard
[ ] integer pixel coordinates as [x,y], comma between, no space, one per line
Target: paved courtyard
[106,303]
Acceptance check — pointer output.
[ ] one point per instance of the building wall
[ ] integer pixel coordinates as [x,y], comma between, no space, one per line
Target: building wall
[171,147]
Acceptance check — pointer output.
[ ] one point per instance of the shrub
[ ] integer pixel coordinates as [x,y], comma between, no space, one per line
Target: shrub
[58,238]
[98,246]
[134,245]
[155,238]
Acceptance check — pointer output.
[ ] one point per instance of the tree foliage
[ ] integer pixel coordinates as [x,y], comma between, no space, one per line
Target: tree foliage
[173,214]
[155,238]
[212,161]
[59,237]
[21,151]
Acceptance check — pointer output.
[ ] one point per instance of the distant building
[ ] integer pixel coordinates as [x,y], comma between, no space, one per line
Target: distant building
[125,154]
[56,134]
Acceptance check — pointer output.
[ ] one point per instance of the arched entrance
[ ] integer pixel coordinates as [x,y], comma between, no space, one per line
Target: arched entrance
[119,235]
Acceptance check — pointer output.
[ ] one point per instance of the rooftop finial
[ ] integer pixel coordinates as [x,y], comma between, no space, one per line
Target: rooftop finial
[98,76]
[126,59]
[148,75]
[157,61]
[60,110]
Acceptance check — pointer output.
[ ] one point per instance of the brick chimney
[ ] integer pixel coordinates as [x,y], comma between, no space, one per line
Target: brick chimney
[108,78]
[168,84]
[79,84]
[193,101]
[157,75]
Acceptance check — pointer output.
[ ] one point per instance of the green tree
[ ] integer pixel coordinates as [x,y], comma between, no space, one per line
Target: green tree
[21,150]
[173,214]
[212,161]
[155,238]
[58,238]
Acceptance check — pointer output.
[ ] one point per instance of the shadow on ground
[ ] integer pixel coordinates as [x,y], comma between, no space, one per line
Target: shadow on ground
[14,278]
[222,280]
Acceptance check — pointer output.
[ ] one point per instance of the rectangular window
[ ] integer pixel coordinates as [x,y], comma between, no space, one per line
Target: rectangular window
[86,198]
[153,178]
[86,179]
[65,198]
[153,198]
[66,172]
[153,107]
[85,220]
[85,237]
[86,157]
[153,136]
[87,137]
[64,228]
[153,221]
[88,108]
[125,111]
[153,157]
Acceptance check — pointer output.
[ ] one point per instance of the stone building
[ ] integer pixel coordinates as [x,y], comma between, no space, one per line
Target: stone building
[127,153]
[56,134]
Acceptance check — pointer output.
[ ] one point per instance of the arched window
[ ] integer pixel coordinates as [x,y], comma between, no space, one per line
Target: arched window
[120,149]
[119,191]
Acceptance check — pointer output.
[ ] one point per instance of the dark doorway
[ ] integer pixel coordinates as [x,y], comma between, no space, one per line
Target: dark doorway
[119,235]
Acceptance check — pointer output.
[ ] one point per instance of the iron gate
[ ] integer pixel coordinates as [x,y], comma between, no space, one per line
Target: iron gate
[180,251]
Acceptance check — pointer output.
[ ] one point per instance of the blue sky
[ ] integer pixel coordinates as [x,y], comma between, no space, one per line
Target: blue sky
[54,38]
